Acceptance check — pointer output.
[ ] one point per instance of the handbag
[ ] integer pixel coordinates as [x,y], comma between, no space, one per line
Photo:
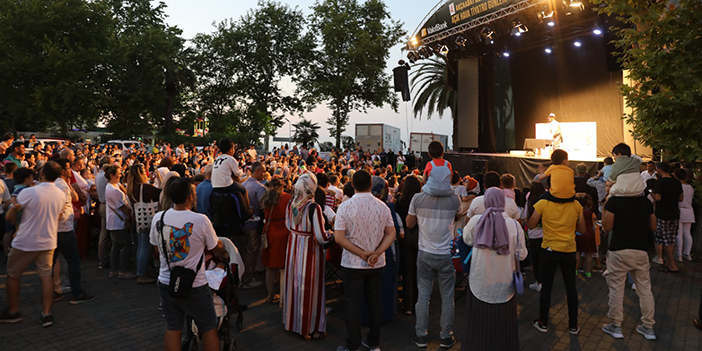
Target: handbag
[144,212]
[518,278]
[181,282]
[264,234]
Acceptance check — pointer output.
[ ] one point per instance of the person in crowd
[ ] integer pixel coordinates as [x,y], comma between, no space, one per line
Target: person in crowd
[274,203]
[364,228]
[582,186]
[585,241]
[477,206]
[650,172]
[683,241]
[625,179]
[203,191]
[140,191]
[498,243]
[629,221]
[536,234]
[304,293]
[562,185]
[409,245]
[159,174]
[67,244]
[5,144]
[252,227]
[667,192]
[434,215]
[559,220]
[6,188]
[181,236]
[16,154]
[104,240]
[437,173]
[507,182]
[119,219]
[35,241]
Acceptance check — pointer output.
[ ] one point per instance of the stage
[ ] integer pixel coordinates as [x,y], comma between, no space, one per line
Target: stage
[523,168]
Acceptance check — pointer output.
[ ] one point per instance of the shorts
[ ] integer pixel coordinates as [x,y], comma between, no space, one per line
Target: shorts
[199,306]
[18,261]
[666,232]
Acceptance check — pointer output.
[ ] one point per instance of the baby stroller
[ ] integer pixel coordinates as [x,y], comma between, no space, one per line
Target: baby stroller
[226,302]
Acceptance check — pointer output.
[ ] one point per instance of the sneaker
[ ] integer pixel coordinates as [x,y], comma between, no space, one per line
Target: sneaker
[588,275]
[540,327]
[656,260]
[678,258]
[364,342]
[253,284]
[536,286]
[7,317]
[613,330]
[646,332]
[82,298]
[114,274]
[420,341]
[57,296]
[633,287]
[574,331]
[126,275]
[447,342]
[687,257]
[46,320]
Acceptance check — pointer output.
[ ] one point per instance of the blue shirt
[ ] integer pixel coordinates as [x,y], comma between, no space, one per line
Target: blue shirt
[203,191]
[255,190]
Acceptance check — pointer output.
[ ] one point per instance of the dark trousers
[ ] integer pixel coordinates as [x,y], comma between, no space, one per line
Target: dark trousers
[549,261]
[409,249]
[120,253]
[535,253]
[359,283]
[68,247]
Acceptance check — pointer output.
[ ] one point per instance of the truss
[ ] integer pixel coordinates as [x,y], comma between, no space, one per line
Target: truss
[481,21]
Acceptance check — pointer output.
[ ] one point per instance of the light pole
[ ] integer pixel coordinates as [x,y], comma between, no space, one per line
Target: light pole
[289,130]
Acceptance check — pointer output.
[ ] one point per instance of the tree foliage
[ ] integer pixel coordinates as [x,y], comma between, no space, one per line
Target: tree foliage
[430,87]
[660,45]
[348,142]
[306,133]
[349,68]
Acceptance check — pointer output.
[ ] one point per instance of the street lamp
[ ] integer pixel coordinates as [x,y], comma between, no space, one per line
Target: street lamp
[289,130]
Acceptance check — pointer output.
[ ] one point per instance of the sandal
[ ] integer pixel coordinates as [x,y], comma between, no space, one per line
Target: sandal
[667,269]
[315,335]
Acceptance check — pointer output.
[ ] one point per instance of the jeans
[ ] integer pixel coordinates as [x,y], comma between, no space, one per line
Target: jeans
[121,250]
[534,252]
[431,267]
[636,262]
[357,283]
[549,261]
[68,246]
[143,253]
[104,239]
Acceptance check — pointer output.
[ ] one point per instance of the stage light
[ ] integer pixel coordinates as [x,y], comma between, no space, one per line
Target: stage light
[505,54]
[570,5]
[548,50]
[577,44]
[414,41]
[545,14]
[412,56]
[444,50]
[425,52]
[487,34]
[460,41]
[518,27]
[597,31]
[551,23]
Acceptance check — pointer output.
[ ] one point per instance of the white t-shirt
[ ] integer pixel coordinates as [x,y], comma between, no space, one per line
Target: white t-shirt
[5,195]
[490,273]
[84,186]
[114,199]
[159,182]
[224,167]
[66,218]
[186,235]
[41,208]
[477,207]
[338,193]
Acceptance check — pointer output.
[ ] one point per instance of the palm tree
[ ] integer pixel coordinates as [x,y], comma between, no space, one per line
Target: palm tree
[306,133]
[431,91]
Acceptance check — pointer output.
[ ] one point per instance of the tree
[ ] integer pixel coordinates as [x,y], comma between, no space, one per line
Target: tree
[52,63]
[326,146]
[430,89]
[306,133]
[348,143]
[349,67]
[178,76]
[661,50]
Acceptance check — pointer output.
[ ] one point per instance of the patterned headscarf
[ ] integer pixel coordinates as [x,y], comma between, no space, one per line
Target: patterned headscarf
[305,188]
[379,188]
[491,232]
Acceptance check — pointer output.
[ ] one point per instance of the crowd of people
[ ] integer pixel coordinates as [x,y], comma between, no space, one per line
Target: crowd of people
[376,216]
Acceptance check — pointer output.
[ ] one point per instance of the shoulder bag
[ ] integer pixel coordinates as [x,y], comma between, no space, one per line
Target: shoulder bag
[144,212]
[181,282]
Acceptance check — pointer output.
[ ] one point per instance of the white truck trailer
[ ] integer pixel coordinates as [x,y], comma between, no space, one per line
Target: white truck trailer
[374,136]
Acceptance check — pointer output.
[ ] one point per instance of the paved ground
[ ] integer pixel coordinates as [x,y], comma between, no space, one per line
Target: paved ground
[124,317]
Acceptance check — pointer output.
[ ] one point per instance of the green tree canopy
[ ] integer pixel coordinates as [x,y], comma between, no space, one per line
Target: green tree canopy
[348,72]
[660,46]
[306,133]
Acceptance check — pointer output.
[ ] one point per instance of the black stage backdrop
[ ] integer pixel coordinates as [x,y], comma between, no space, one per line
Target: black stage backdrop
[572,82]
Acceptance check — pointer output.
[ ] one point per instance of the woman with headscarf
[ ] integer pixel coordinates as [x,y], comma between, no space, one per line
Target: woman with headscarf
[274,203]
[303,296]
[497,242]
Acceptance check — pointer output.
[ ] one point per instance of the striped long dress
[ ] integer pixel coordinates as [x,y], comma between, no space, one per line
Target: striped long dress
[304,309]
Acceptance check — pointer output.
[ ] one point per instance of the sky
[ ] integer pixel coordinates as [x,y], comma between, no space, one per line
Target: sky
[195,17]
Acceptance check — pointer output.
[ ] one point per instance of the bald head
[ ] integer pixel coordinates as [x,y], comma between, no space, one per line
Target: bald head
[67,154]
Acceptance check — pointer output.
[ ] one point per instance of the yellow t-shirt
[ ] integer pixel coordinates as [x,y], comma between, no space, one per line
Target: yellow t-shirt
[562,181]
[559,221]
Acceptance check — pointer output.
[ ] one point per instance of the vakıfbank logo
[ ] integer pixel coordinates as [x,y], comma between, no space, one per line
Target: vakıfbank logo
[437,27]
[452,9]
[424,32]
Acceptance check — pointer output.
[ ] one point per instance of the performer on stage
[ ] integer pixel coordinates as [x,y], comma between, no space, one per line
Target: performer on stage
[555,129]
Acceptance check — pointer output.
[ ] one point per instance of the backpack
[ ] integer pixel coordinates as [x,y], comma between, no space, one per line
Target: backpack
[461,253]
